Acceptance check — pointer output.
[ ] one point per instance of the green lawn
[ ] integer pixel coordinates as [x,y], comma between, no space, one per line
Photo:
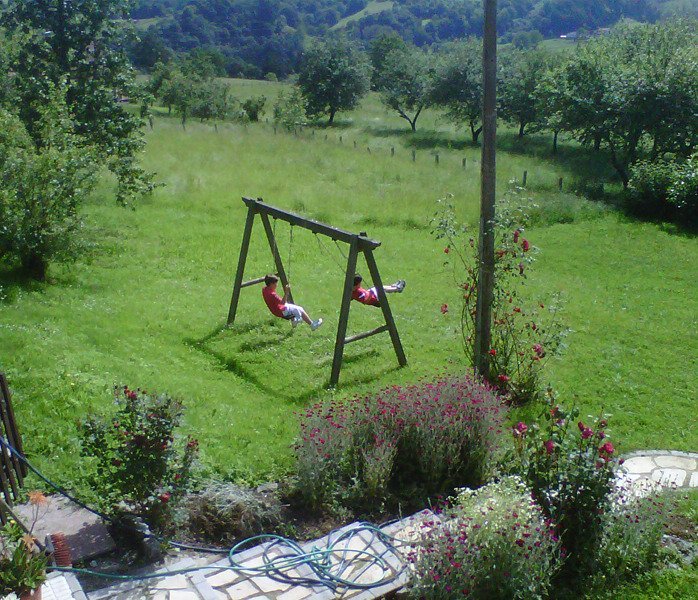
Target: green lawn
[147,307]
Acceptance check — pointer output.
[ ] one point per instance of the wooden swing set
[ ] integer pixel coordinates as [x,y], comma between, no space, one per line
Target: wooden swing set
[358,243]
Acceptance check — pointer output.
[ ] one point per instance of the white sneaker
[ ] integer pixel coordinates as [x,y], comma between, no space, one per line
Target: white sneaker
[400,285]
[315,324]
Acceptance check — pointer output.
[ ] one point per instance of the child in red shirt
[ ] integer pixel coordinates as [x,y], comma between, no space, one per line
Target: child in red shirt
[285,310]
[370,296]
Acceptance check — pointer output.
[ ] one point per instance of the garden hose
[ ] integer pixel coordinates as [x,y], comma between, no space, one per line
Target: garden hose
[332,565]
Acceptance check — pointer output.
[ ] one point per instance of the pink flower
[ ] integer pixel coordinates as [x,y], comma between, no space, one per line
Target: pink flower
[520,429]
[607,449]
[516,236]
[447,250]
[549,446]
[165,497]
[444,309]
[503,378]
[581,426]
[525,245]
[492,352]
[587,432]
[521,268]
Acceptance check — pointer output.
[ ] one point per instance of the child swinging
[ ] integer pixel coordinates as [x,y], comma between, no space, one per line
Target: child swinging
[370,296]
[282,309]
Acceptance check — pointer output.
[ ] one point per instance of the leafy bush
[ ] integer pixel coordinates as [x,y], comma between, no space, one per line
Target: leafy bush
[289,111]
[39,220]
[666,189]
[140,467]
[493,543]
[254,107]
[404,443]
[524,334]
[570,469]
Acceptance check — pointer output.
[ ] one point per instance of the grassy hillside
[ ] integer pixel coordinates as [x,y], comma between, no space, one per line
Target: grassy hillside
[148,306]
[372,8]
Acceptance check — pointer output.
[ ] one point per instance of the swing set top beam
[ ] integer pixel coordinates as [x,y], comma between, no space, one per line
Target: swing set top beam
[363,242]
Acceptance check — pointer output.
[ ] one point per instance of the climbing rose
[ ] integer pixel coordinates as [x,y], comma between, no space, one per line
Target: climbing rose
[492,352]
[520,428]
[503,378]
[521,268]
[516,236]
[549,446]
[587,432]
[165,497]
[447,250]
[607,448]
[444,309]
[525,245]
[581,426]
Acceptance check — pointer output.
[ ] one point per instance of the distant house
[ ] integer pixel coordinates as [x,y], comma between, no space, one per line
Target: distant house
[572,35]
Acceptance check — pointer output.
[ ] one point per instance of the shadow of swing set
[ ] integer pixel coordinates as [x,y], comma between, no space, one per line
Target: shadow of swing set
[358,243]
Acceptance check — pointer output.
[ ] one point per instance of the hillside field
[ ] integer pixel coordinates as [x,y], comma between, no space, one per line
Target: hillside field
[147,306]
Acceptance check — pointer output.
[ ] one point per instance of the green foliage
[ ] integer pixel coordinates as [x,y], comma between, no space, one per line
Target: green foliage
[289,111]
[457,84]
[492,544]
[401,445]
[524,335]
[333,77]
[667,189]
[22,564]
[140,466]
[38,209]
[570,469]
[404,83]
[80,44]
[254,107]
[380,49]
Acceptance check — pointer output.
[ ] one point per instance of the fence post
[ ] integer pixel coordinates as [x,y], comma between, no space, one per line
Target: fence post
[414,155]
[354,143]
[559,184]
[325,136]
[392,151]
[525,177]
[465,160]
[274,129]
[436,158]
[340,139]
[369,150]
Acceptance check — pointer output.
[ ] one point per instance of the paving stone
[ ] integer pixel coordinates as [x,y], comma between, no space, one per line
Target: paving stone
[242,589]
[160,595]
[184,595]
[296,593]
[676,462]
[174,582]
[639,464]
[267,584]
[694,480]
[668,477]
[223,578]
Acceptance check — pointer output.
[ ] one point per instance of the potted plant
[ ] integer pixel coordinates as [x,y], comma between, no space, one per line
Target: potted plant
[22,564]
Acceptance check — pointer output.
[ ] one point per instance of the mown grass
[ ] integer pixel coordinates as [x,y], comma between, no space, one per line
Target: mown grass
[147,307]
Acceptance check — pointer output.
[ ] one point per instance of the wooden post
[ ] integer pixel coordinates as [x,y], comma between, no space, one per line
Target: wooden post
[244,247]
[385,307]
[344,311]
[269,230]
[369,149]
[485,283]
[274,129]
[354,143]
[392,150]
[340,140]
[436,158]
[465,160]
[525,177]
[325,137]
[414,155]
[559,184]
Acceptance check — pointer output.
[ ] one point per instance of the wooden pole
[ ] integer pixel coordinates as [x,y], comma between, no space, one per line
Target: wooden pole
[465,161]
[244,247]
[559,184]
[385,307]
[525,178]
[485,284]
[414,155]
[344,311]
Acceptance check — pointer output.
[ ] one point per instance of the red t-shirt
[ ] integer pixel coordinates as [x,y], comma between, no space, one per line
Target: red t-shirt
[274,301]
[365,296]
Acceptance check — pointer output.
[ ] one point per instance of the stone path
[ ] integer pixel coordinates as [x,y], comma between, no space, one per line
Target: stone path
[650,469]
[59,586]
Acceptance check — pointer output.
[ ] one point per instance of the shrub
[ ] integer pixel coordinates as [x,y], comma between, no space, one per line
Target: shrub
[524,334]
[289,111]
[493,543]
[570,469]
[223,513]
[666,189]
[405,443]
[254,107]
[140,467]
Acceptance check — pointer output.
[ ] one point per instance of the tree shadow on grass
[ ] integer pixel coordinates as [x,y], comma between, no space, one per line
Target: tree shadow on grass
[14,281]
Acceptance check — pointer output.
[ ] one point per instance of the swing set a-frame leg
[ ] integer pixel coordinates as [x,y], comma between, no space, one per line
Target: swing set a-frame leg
[385,307]
[271,238]
[344,312]
[247,234]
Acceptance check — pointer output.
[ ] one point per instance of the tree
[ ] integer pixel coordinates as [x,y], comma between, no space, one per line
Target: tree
[381,47]
[333,76]
[289,111]
[42,185]
[519,74]
[404,83]
[211,101]
[457,84]
[81,42]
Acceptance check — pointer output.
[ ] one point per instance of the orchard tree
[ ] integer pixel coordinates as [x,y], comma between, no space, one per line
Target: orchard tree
[457,84]
[333,76]
[381,48]
[80,42]
[519,74]
[404,83]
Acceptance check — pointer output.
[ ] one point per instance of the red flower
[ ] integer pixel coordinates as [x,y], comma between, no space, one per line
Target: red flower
[447,250]
[164,497]
[444,309]
[581,426]
[516,236]
[587,432]
[607,449]
[503,378]
[549,446]
[521,268]
[525,245]
[517,309]
[520,428]
[492,352]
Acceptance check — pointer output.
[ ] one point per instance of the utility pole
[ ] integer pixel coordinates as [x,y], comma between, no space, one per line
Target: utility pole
[485,283]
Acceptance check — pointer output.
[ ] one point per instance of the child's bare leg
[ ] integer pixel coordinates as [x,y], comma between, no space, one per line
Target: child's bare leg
[389,289]
[305,317]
